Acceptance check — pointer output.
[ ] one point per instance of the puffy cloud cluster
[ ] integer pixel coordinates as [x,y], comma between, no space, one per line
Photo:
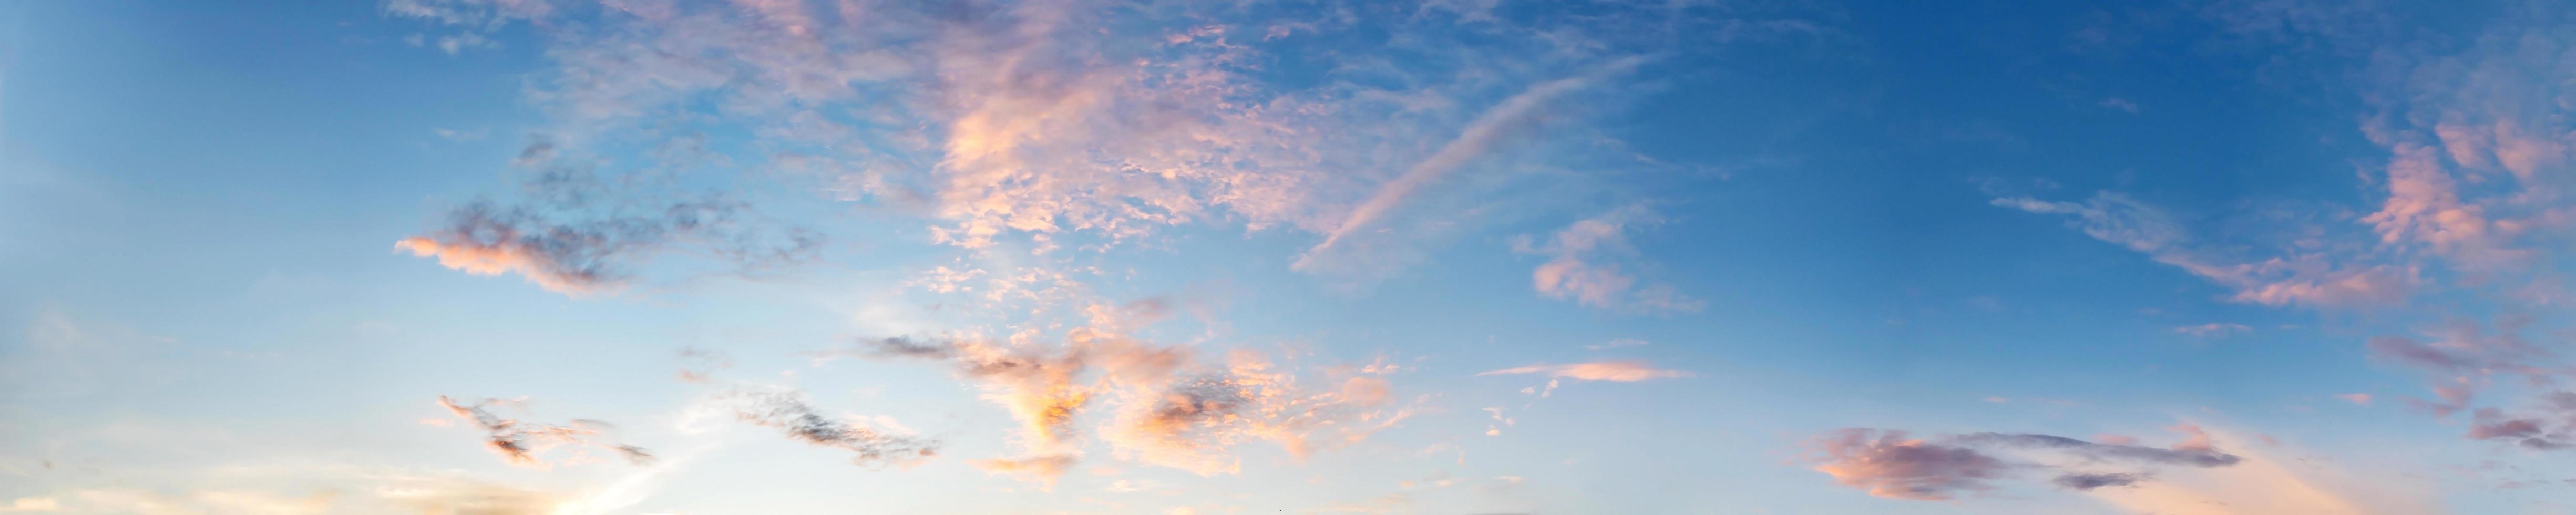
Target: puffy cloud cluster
[519,442]
[1022,123]
[1171,407]
[1890,464]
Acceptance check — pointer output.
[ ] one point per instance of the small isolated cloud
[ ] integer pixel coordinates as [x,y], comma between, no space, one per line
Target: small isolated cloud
[519,443]
[2362,399]
[1618,343]
[2120,104]
[458,135]
[1584,265]
[1624,371]
[1046,469]
[2213,330]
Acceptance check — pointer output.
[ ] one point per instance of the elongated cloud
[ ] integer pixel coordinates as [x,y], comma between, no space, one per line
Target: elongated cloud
[2188,453]
[1624,371]
[2085,481]
[519,442]
[1889,464]
[787,410]
[592,256]
[1494,126]
[1045,468]
[2311,279]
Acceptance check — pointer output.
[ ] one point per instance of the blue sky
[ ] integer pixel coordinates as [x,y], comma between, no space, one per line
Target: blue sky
[462,256]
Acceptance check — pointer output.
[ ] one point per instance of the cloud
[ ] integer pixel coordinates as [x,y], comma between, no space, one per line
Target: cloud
[1618,343]
[2213,330]
[1045,468]
[1190,423]
[1496,125]
[1173,409]
[2120,104]
[2310,279]
[518,443]
[591,256]
[1888,464]
[2082,481]
[1025,126]
[787,410]
[2259,483]
[1618,371]
[2195,453]
[1583,266]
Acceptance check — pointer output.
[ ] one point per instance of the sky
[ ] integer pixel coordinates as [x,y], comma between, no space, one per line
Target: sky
[1183,258]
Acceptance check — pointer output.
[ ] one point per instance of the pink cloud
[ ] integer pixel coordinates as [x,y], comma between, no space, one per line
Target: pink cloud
[1616,371]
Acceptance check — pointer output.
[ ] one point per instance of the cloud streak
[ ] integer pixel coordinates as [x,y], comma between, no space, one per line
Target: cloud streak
[1890,464]
[1495,126]
[1623,371]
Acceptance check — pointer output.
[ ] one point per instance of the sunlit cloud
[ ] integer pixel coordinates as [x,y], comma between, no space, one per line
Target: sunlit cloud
[1617,371]
[1583,266]
[591,257]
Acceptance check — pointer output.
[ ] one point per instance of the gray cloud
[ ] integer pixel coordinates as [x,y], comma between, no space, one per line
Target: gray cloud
[519,442]
[1890,464]
[593,254]
[787,410]
[2086,481]
[2196,457]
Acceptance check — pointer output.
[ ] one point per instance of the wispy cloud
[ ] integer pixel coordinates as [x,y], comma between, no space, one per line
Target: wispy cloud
[2213,330]
[1494,126]
[519,442]
[1583,265]
[787,410]
[2312,279]
[1618,343]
